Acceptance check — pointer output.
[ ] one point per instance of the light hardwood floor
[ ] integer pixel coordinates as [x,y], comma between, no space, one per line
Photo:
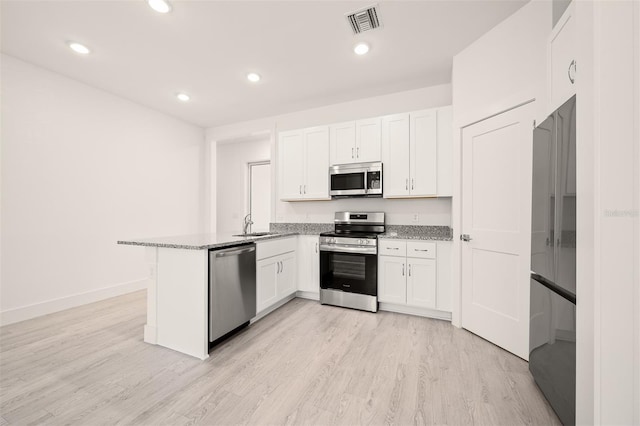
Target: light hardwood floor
[303,364]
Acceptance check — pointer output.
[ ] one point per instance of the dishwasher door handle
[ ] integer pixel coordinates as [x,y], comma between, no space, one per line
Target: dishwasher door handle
[223,253]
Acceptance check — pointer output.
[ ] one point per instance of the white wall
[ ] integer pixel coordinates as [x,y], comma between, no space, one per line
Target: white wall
[431,211]
[81,169]
[504,67]
[608,218]
[233,181]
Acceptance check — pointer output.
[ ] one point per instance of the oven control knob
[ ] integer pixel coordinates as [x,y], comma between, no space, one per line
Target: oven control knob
[365,241]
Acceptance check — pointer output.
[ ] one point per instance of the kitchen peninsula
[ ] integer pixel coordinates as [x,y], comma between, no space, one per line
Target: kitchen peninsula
[177,291]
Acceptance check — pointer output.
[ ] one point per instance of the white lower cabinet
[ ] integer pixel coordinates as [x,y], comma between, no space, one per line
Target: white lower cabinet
[266,283]
[276,271]
[421,282]
[309,264]
[392,281]
[408,274]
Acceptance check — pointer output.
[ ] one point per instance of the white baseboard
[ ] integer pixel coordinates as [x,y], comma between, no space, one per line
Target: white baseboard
[263,313]
[411,310]
[311,295]
[151,334]
[23,313]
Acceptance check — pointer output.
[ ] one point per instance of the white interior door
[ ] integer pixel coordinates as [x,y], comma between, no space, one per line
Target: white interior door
[260,195]
[496,214]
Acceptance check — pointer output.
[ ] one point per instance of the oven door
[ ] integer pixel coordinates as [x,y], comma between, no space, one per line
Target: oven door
[349,272]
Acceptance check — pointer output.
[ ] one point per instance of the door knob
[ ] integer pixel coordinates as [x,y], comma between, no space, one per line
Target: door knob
[465,237]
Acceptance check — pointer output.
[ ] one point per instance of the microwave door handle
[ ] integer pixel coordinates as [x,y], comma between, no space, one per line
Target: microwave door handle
[366,182]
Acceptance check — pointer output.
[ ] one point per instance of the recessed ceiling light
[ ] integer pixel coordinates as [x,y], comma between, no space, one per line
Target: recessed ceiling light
[253,77]
[183,97]
[79,48]
[160,6]
[361,48]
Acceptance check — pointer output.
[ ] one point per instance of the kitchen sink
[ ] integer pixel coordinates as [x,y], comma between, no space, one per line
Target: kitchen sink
[254,234]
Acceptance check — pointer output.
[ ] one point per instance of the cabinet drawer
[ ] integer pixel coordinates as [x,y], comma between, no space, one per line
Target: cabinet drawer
[265,249]
[392,248]
[421,249]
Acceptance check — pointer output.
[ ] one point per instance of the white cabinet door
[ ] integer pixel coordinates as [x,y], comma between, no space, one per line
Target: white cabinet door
[421,282]
[392,280]
[395,155]
[291,173]
[368,145]
[443,271]
[445,152]
[266,278]
[343,143]
[561,49]
[286,281]
[316,164]
[308,263]
[423,153]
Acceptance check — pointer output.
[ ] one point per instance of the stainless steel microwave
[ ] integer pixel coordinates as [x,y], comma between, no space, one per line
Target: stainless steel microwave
[356,180]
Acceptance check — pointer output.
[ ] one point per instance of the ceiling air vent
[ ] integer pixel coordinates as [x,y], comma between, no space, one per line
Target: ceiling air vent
[364,20]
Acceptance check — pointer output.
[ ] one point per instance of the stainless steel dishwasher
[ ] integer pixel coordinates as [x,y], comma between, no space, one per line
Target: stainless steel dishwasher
[232,289]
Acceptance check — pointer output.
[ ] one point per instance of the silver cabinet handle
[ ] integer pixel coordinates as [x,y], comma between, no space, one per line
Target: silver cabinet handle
[304,190]
[409,269]
[281,266]
[465,237]
[406,184]
[358,152]
[316,247]
[352,153]
[412,181]
[420,249]
[572,65]
[393,248]
[300,189]
[403,269]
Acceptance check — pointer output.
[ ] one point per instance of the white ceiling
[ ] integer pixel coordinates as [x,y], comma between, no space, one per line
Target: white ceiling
[302,49]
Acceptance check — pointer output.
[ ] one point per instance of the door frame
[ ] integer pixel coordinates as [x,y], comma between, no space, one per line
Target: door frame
[248,184]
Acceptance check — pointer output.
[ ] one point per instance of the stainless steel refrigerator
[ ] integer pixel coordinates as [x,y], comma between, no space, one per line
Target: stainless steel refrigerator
[552,337]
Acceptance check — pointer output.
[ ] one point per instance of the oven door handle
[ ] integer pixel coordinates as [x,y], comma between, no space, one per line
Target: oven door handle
[355,250]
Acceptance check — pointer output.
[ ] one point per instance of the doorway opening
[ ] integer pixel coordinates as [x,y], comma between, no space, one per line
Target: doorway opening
[260,195]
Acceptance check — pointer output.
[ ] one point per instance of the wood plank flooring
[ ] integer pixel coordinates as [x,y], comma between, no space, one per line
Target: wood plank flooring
[303,364]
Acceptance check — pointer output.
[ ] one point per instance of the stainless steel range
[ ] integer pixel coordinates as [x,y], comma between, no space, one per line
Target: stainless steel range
[349,261]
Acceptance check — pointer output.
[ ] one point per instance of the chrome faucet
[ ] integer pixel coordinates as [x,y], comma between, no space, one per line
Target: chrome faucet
[246,223]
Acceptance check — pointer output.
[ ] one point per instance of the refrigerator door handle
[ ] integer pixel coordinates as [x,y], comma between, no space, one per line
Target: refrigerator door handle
[571,297]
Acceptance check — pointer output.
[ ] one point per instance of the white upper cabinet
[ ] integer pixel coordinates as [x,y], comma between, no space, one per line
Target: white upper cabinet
[343,142]
[355,141]
[395,155]
[316,161]
[303,157]
[561,60]
[423,164]
[291,159]
[417,154]
[368,140]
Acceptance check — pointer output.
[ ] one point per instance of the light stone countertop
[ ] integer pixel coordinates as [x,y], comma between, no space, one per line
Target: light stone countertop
[418,232]
[201,241]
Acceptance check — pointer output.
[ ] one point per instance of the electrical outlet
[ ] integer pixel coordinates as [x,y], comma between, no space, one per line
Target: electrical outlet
[416,218]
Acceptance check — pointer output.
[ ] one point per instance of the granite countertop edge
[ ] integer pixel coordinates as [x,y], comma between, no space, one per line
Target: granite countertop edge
[415,237]
[245,240]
